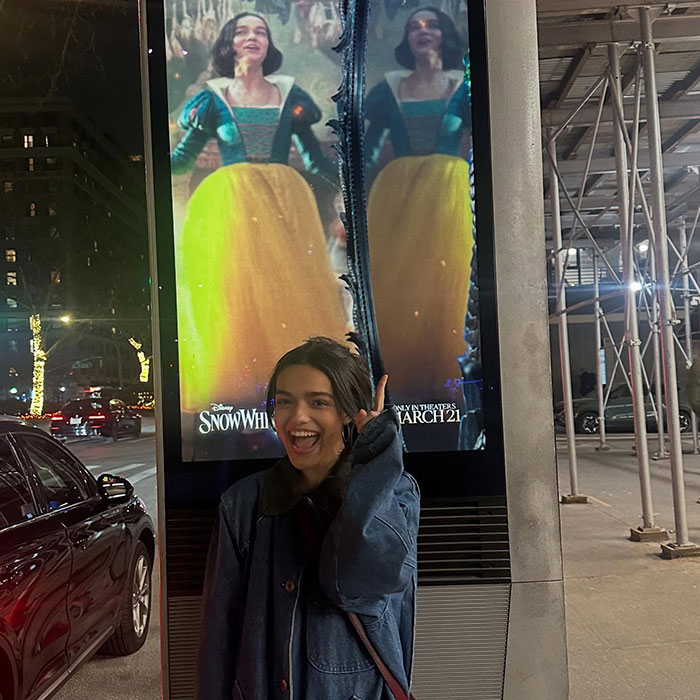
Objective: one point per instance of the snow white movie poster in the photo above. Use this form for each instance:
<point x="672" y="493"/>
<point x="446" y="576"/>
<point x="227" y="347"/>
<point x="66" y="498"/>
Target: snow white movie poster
<point x="259" y="243"/>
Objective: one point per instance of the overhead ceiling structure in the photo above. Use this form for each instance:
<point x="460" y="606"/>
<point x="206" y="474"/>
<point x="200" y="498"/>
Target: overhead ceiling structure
<point x="573" y="47"/>
<point x="617" y="173"/>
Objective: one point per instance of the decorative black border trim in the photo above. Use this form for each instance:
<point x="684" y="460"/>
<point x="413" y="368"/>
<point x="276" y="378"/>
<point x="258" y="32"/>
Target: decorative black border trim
<point x="349" y="128"/>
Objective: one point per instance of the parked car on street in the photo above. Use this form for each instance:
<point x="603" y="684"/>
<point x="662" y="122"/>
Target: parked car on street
<point x="91" y="417"/>
<point x="619" y="415"/>
<point x="76" y="555"/>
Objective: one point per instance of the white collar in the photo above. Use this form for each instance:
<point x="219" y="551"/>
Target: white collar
<point x="394" y="78"/>
<point x="284" y="84"/>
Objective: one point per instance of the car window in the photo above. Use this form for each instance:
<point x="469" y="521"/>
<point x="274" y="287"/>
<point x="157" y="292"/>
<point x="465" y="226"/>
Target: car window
<point x="82" y="405"/>
<point x="16" y="502"/>
<point x="64" y="484"/>
<point x="620" y="392"/>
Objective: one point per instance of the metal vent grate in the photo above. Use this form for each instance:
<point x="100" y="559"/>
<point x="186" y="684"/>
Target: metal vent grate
<point x="461" y="634"/>
<point x="463" y="542"/>
<point x="184" y="617"/>
<point x="187" y="542"/>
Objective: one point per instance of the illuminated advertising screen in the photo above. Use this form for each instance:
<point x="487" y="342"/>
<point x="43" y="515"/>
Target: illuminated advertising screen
<point x="260" y="246"/>
<point x="421" y="222"/>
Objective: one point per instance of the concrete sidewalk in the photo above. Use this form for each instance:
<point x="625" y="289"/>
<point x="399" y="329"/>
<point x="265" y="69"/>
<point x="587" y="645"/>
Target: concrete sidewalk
<point x="633" y="619"/>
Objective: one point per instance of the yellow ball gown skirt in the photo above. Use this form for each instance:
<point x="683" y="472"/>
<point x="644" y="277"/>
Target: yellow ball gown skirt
<point x="253" y="281"/>
<point x="421" y="240"/>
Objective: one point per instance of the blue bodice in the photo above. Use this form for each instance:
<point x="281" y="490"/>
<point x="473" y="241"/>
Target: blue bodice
<point x="416" y="127"/>
<point x="251" y="134"/>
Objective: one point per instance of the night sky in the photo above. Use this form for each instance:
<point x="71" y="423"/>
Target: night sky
<point x="86" y="50"/>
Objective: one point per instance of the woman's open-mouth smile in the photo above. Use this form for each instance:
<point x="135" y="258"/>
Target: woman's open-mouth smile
<point x="303" y="441"/>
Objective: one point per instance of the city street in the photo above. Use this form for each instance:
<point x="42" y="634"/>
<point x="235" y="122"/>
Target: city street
<point x="135" y="677"/>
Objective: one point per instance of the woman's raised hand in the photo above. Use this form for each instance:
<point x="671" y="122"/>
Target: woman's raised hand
<point x="362" y="418"/>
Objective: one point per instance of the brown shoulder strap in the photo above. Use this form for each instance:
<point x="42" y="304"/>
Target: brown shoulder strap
<point x="396" y="690"/>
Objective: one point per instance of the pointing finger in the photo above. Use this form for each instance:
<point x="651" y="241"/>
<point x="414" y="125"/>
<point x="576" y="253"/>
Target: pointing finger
<point x="379" y="395"/>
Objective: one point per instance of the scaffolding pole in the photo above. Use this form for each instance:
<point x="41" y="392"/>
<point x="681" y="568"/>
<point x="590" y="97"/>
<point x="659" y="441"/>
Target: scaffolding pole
<point x="600" y="356"/>
<point x="658" y="397"/>
<point x="682" y="546"/>
<point x="559" y="267"/>
<point x="648" y="530"/>
<point x="688" y="325"/>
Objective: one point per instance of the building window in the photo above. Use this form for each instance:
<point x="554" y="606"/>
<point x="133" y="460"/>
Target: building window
<point x="7" y="186"/>
<point x="54" y="186"/>
<point x="30" y="165"/>
<point x="47" y="141"/>
<point x="13" y="346"/>
<point x="12" y="278"/>
<point x="94" y="243"/>
<point x="11" y="303"/>
<point x="88" y="261"/>
<point x="6" y="139"/>
<point x="17" y="324"/>
<point x="54" y="163"/>
<point x="53" y="232"/>
<point x="28" y="141"/>
<point x="55" y="277"/>
<point x="32" y="208"/>
<point x="10" y="255"/>
<point x="87" y="218"/>
<point x="53" y="209"/>
<point x="9" y="233"/>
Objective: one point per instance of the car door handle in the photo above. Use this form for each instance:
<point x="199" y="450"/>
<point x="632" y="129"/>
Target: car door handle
<point x="81" y="542"/>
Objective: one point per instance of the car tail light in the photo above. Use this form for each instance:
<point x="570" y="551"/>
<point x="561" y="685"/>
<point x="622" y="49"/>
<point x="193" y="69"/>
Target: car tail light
<point x="97" y="416"/>
<point x="57" y="418"/>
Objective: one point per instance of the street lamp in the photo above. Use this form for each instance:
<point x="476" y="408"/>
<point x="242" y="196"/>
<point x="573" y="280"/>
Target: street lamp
<point x="65" y="319"/>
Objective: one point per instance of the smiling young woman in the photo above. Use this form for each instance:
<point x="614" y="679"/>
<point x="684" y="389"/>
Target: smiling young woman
<point x="327" y="534"/>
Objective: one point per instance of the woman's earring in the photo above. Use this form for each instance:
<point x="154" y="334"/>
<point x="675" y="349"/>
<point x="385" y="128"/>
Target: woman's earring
<point x="348" y="433"/>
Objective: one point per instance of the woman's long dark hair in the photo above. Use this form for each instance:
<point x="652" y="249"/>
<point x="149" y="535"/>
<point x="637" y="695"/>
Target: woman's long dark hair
<point x="347" y="373"/>
<point x="452" y="48"/>
<point x="224" y="57"/>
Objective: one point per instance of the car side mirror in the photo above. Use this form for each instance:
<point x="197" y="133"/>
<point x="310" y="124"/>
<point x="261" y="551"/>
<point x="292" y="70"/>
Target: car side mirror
<point x="114" y="489"/>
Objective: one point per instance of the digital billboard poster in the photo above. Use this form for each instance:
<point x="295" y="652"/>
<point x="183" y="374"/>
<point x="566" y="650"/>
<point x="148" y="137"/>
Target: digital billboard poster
<point x="259" y="244"/>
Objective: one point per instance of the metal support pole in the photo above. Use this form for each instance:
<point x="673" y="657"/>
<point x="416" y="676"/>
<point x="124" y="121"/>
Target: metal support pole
<point x="688" y="325"/>
<point x="648" y="531"/>
<point x="658" y="398"/>
<point x="600" y="357"/>
<point x="682" y="546"/>
<point x="559" y="267"/>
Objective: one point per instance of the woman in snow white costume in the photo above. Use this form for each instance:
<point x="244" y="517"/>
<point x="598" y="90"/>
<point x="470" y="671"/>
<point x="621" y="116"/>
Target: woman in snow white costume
<point x="253" y="273"/>
<point x="419" y="211"/>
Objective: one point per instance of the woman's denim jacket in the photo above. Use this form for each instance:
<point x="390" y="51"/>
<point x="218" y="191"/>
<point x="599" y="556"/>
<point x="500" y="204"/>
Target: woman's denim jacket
<point x="274" y="624"/>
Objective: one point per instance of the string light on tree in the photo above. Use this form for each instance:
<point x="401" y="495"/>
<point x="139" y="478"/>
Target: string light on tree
<point x="39" y="354"/>
<point x="144" y="361"/>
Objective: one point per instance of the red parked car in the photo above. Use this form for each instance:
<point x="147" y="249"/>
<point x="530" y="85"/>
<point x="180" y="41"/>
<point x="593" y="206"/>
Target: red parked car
<point x="91" y="417"/>
<point x="76" y="555"/>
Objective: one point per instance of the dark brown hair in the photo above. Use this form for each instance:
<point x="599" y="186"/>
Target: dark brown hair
<point x="346" y="371"/>
<point x="452" y="48"/>
<point x="224" y="57"/>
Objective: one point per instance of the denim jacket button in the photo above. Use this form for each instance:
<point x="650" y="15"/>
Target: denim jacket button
<point x="290" y="586"/>
<point x="284" y="685"/>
